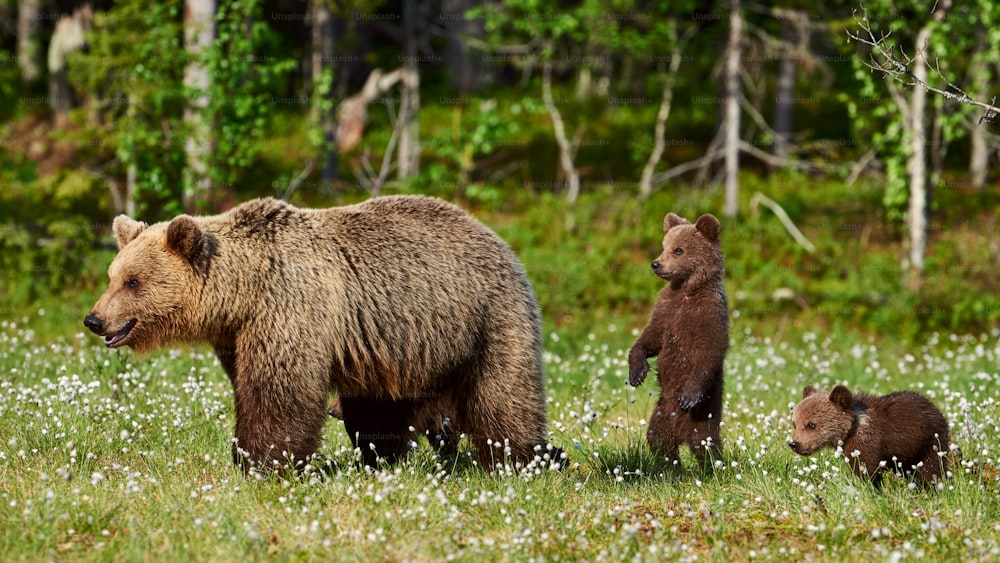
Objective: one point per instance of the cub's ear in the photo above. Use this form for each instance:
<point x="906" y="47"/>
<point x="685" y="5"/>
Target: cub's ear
<point x="841" y="396"/>
<point x="126" y="229"/>
<point x="809" y="390"/>
<point x="709" y="227"/>
<point x="671" y="221"/>
<point x="186" y="239"/>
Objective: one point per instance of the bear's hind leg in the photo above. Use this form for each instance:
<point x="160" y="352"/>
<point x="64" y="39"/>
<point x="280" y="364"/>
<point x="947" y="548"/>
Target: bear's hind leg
<point x="505" y="414"/>
<point x="379" y="427"/>
<point x="705" y="420"/>
<point x="934" y="468"/>
<point x="663" y="434"/>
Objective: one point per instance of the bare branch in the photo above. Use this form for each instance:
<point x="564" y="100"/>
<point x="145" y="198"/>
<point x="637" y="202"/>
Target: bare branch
<point x="299" y="178"/>
<point x="898" y="67"/>
<point x="565" y="147"/>
<point x="761" y="199"/>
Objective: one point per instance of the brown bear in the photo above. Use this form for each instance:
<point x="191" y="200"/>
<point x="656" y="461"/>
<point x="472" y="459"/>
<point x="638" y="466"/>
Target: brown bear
<point x="395" y="302"/>
<point x="688" y="332"/>
<point x="901" y="432"/>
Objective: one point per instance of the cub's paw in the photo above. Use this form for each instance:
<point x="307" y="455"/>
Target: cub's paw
<point x="688" y="401"/>
<point x="637" y="373"/>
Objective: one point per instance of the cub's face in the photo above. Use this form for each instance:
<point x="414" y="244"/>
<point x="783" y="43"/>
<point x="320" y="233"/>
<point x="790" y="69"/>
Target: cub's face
<point x="150" y="287"/>
<point x="689" y="251"/>
<point x="821" y="420"/>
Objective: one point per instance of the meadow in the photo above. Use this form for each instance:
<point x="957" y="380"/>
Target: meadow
<point x="106" y="455"/>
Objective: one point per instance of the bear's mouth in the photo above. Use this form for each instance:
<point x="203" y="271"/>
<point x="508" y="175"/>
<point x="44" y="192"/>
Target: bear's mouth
<point x="112" y="341"/>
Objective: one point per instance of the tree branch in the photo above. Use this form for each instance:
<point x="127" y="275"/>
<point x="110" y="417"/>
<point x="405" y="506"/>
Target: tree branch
<point x="898" y="67"/>
<point x="759" y="198"/>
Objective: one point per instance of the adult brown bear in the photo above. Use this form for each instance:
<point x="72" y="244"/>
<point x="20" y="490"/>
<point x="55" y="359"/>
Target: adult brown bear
<point x="396" y="303"/>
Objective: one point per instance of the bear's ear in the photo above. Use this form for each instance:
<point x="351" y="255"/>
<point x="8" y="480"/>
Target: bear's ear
<point x="126" y="229"/>
<point x="671" y="221"/>
<point x="184" y="238"/>
<point x="841" y="396"/>
<point x="709" y="227"/>
<point x="809" y="390"/>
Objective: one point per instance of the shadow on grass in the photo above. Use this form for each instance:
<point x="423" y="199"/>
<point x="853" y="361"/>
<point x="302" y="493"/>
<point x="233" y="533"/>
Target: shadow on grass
<point x="637" y="463"/>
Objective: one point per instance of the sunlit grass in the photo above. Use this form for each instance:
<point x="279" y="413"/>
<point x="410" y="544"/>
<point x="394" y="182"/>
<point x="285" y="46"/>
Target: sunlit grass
<point x="107" y="455"/>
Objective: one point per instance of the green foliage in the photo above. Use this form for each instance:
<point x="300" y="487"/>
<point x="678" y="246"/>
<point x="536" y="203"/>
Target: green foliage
<point x="133" y="68"/>
<point x="476" y="132"/>
<point x="244" y="73"/>
<point x="9" y="79"/>
<point x="876" y="112"/>
<point x="47" y="230"/>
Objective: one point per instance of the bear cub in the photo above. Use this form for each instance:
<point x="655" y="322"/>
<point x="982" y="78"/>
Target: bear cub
<point x="901" y="431"/>
<point x="688" y="333"/>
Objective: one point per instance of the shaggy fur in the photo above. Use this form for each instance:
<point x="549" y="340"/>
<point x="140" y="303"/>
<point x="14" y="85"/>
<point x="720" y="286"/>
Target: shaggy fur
<point x="688" y="333"/>
<point x="901" y="432"/>
<point x="397" y="303"/>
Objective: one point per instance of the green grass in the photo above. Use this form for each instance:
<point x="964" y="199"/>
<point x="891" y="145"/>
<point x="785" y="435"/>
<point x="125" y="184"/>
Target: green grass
<point x="105" y="455"/>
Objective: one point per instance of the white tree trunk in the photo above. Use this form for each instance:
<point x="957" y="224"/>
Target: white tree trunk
<point x="565" y="147"/>
<point x="129" y="195"/>
<point x="785" y="91"/>
<point x="322" y="58"/>
<point x="199" y="32"/>
<point x="980" y="153"/>
<point x="732" y="123"/>
<point x="29" y="40"/>
<point x="659" y="142"/>
<point x="916" y="166"/>
<point x="979" y="159"/>
<point x="409" y="142"/>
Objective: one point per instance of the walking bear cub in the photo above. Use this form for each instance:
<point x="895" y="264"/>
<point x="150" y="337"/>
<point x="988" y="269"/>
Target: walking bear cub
<point x="900" y="432"/>
<point x="688" y="332"/>
<point x="406" y="305"/>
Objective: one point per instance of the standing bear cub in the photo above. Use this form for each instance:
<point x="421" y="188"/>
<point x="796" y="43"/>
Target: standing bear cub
<point x="405" y="305"/>
<point x="688" y="333"/>
<point x="901" y="431"/>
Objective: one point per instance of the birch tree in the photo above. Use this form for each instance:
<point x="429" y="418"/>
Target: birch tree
<point x="731" y="147"/>
<point x="29" y="39"/>
<point x="409" y="141"/>
<point x="199" y="31"/>
<point x="912" y="71"/>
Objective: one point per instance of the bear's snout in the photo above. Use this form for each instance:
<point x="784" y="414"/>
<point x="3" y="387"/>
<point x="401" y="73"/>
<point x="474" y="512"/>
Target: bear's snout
<point x="794" y="445"/>
<point x="94" y="323"/>
<point x="656" y="265"/>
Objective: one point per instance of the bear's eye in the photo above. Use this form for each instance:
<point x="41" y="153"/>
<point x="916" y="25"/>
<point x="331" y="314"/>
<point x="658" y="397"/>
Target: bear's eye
<point x="811" y="426"/>
<point x="678" y="251"/>
<point x="132" y="283"/>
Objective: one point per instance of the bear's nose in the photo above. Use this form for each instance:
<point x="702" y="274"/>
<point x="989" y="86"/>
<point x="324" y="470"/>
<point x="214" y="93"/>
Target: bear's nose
<point x="656" y="265"/>
<point x="95" y="324"/>
<point x="794" y="445"/>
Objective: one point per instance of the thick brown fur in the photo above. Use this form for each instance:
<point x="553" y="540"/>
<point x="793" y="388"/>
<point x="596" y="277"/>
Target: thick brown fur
<point x="397" y="303"/>
<point x="899" y="432"/>
<point x="688" y="333"/>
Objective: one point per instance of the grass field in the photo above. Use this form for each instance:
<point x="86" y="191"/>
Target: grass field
<point x="105" y="455"/>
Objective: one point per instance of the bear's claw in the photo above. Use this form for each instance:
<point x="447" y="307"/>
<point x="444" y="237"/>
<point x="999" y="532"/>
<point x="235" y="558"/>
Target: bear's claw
<point x="638" y="374"/>
<point x="688" y="401"/>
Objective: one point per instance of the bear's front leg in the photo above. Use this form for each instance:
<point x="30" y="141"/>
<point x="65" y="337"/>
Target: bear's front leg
<point x="638" y="367"/>
<point x="279" y="412"/>
<point x="647" y="346"/>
